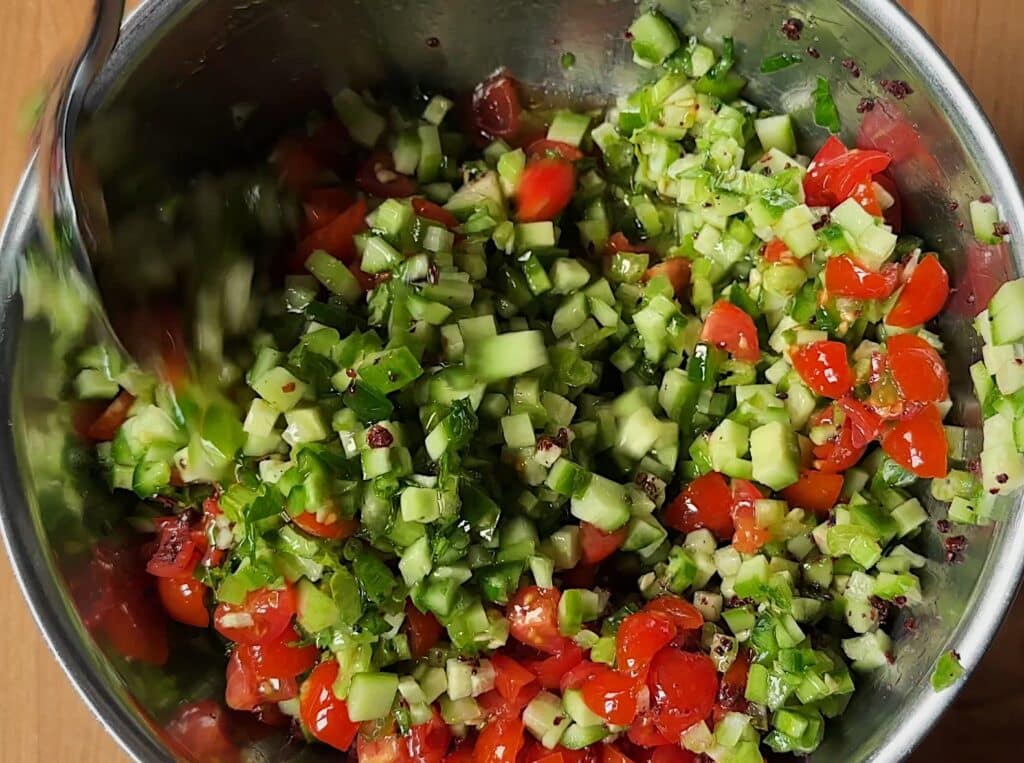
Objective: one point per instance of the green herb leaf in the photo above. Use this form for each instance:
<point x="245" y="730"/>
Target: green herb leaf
<point x="947" y="671"/>
<point x="780" y="61"/>
<point x="825" y="112"/>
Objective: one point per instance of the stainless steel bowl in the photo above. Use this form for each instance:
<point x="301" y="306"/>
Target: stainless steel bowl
<point x="163" y="107"/>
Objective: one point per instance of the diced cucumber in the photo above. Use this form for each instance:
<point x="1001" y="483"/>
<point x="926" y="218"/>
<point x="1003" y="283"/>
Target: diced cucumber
<point x="363" y="123"/>
<point x="1006" y="314"/>
<point x="280" y="388"/>
<point x="578" y="737"/>
<point x="602" y="503"/>
<point x="568" y="127"/>
<point x="507" y="355"/>
<point x="545" y="719"/>
<point x="776" y="132"/>
<point x="577" y="710"/>
<point x="370" y="696"/>
<point x="775" y="455"/>
<point x="653" y="39"/>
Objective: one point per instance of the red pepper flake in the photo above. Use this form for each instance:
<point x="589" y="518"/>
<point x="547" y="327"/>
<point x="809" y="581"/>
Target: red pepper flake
<point x="942" y="526"/>
<point x="562" y="438"/>
<point x="881" y="607"/>
<point x="628" y="35"/>
<point x="897" y="88"/>
<point x="1001" y="229"/>
<point x="646" y="482"/>
<point x="350" y="373"/>
<point x="792" y="28"/>
<point x="433" y="42"/>
<point x="813" y="52"/>
<point x="289" y="387"/>
<point x="900" y="601"/>
<point x="953" y="206"/>
<point x="910" y="625"/>
<point x="955" y="548"/>
<point x="379" y="437"/>
<point x="851" y="66"/>
<point x="865" y="105"/>
<point x="985" y="199"/>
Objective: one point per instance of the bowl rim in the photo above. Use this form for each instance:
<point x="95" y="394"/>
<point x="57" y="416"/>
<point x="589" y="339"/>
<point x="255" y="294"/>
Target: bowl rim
<point x="993" y="592"/>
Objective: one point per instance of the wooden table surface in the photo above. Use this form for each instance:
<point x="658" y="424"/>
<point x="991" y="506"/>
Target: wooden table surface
<point x="41" y="716"/>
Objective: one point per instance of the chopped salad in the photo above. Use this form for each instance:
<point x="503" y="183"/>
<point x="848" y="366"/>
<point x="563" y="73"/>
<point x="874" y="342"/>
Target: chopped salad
<point x="567" y="436"/>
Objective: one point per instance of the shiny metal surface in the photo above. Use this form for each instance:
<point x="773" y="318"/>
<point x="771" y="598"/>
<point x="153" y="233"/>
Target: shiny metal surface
<point x="164" y="103"/>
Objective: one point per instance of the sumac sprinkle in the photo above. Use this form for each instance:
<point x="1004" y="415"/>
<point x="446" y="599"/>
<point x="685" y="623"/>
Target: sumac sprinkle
<point x="897" y="88"/>
<point x="900" y="601"/>
<point x="350" y="373"/>
<point x="985" y="199"/>
<point x="955" y="548"/>
<point x="792" y="28"/>
<point x="942" y="526"/>
<point x="628" y="35"/>
<point x="851" y="66"/>
<point x="1001" y="229"/>
<point x="910" y="625"/>
<point x="379" y="437"/>
<point x="1002" y="478"/>
<point x="545" y="443"/>
<point x="289" y="387"/>
<point x="813" y="52"/>
<point x="881" y="607"/>
<point x="562" y="437"/>
<point x="865" y="105"/>
<point x="433" y="42"/>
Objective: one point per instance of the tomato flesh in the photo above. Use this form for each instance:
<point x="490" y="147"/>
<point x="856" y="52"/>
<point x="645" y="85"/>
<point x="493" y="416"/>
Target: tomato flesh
<point x="422" y="629"/>
<point x="543" y="147"/>
<point x="685" y="616"/>
<point x="749" y="537"/>
<point x="815" y="490"/>
<point x="705" y="503"/>
<point x="917" y="369"/>
<point x="499" y="742"/>
<point x="336" y="237"/>
<point x="533" y="619"/>
<point x="729" y="328"/>
<point x="845" y="277"/>
<point x="545" y="189"/>
<point x="202" y="730"/>
<point x="597" y="544"/>
<point x="683" y="687"/>
<point x="184" y="599"/>
<point x="641" y="636"/>
<point x="377" y="177"/>
<point x="322" y="713"/>
<point x="835" y="173"/>
<point x="263" y="616"/>
<point x="824" y="368"/>
<point x="332" y="527"/>
<point x="551" y="670"/>
<point x="509" y="676"/>
<point x="431" y="211"/>
<point x="918" y="443"/>
<point x="923" y="295"/>
<point x="612" y="695"/>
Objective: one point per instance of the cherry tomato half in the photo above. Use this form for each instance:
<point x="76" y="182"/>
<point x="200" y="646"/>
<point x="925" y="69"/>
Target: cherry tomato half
<point x="542" y="147"/>
<point x="642" y="635"/>
<point x="917" y="369"/>
<point x="497" y="108"/>
<point x="705" y="503"/>
<point x="599" y="545"/>
<point x="322" y="713"/>
<point x="729" y="328"/>
<point x="685" y="616"/>
<point x="923" y="296"/>
<point x="612" y="695"/>
<point x="816" y="491"/>
<point x="509" y="676"/>
<point x="263" y="616"/>
<point x="683" y="687"/>
<point x="184" y="599"/>
<point x="824" y="368"/>
<point x="545" y="189"/>
<point x="835" y="173"/>
<point x="500" y="741"/>
<point x="533" y="619"/>
<point x="845" y="277"/>
<point x="918" y="443"/>
<point x="675" y="269"/>
<point x="377" y="177"/>
<point x="332" y="528"/>
<point x="202" y="729"/>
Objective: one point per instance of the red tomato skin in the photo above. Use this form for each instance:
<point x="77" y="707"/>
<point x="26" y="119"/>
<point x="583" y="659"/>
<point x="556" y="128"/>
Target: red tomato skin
<point x="281" y="658"/>
<point x="917" y="369"/>
<point x="864" y="194"/>
<point x="550" y="671"/>
<point x="177" y="553"/>
<point x="184" y="599"/>
<point x="683" y="687"/>
<point x="579" y="675"/>
<point x="510" y="676"/>
<point x="815" y="490"/>
<point x="641" y="636"/>
<point x="105" y="427"/>
<point x="644" y="733"/>
<point x="423" y="630"/>
<point x="610" y="755"/>
<point x="242" y="691"/>
<point x="824" y="368"/>
<point x="542" y="147"/>
<point x="296" y="165"/>
<point x="533" y="619"/>
<point x="676" y="270"/>
<point x="685" y="616"/>
<point x="322" y="713"/>
<point x="734" y="684"/>
<point x="833" y="177"/>
<point x="599" y="545"/>
<point x="271" y="610"/>
<point x="918" y="443"/>
<point x="612" y="695"/>
<point x="863" y="423"/>
<point x="545" y="189"/>
<point x="705" y="503"/>
<point x="202" y="730"/>
<point x="499" y="742"/>
<point x="923" y="295"/>
<point x="431" y="211"/>
<point x="377" y="177"/>
<point x="729" y="328"/>
<point x="673" y="754"/>
<point x="497" y="108"/>
<point x="428" y="742"/>
<point x="618" y="242"/>
<point x="321" y="205"/>
<point x="845" y="277"/>
<point x="335" y="238"/>
<point x="337" y="529"/>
